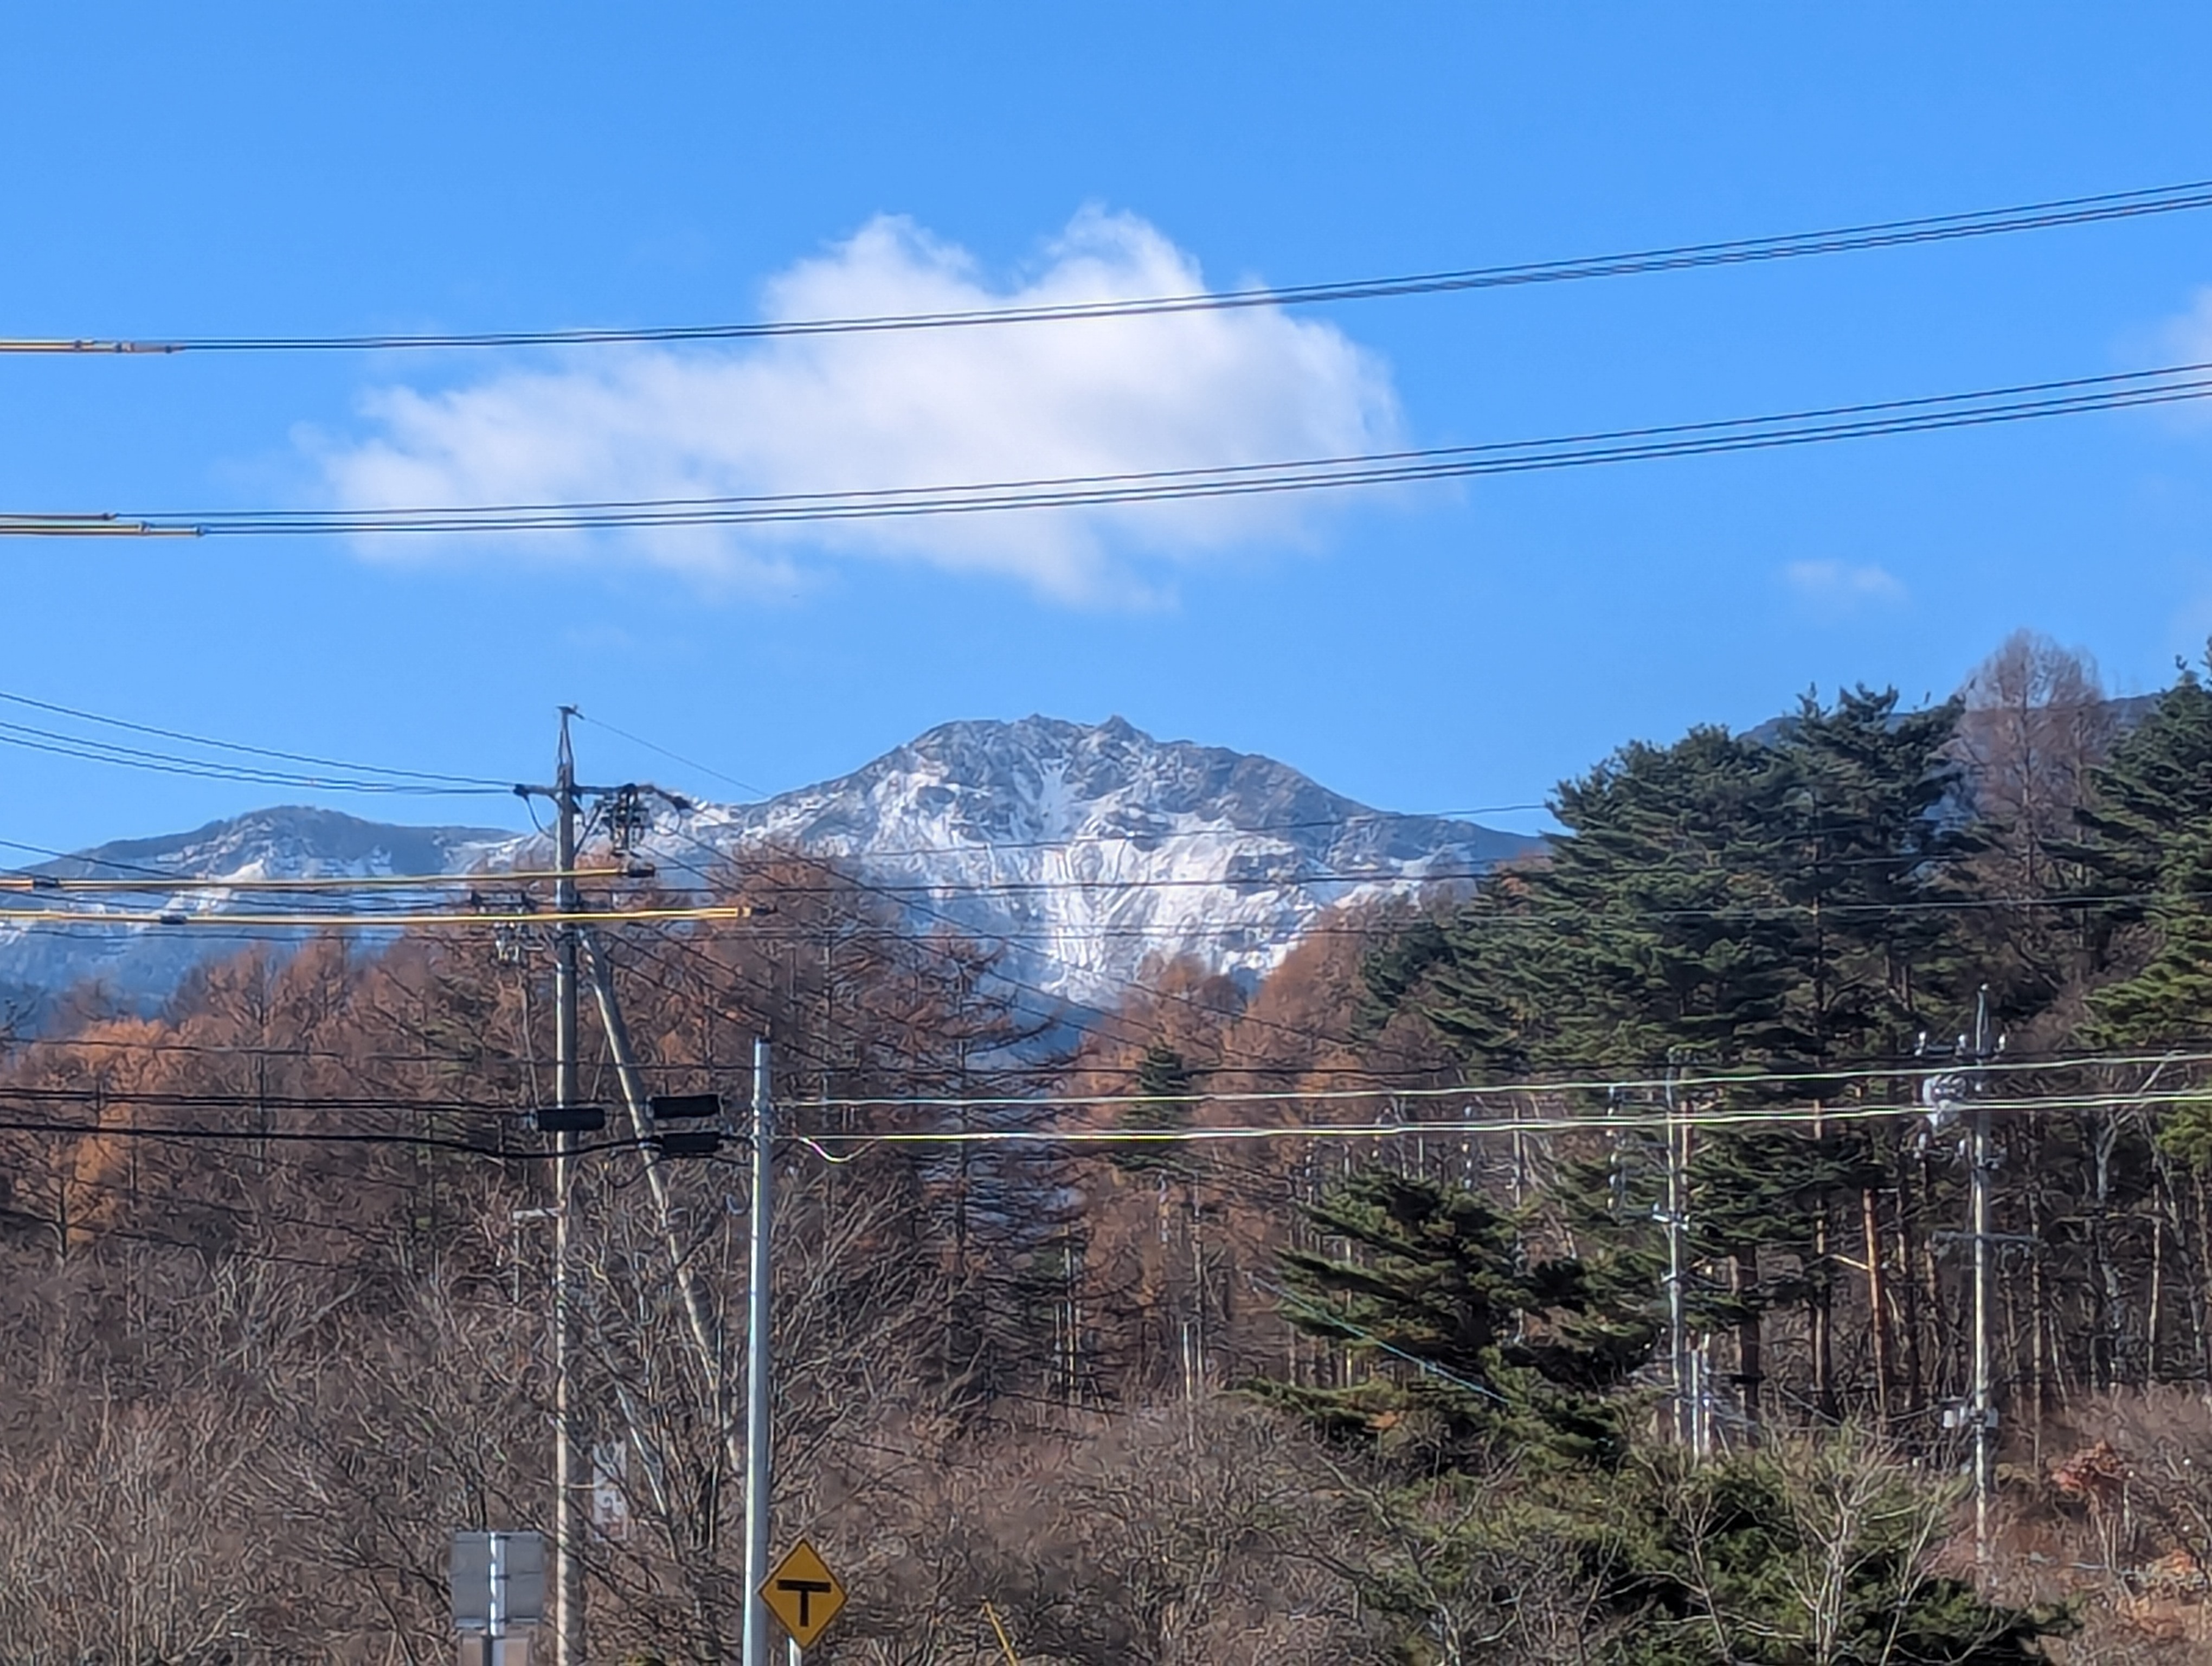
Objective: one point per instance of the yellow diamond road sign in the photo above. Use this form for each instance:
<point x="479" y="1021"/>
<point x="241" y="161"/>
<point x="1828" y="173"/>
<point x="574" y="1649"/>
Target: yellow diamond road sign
<point x="803" y="1594"/>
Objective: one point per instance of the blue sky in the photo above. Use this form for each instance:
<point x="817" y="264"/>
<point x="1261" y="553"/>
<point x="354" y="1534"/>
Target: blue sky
<point x="266" y="168"/>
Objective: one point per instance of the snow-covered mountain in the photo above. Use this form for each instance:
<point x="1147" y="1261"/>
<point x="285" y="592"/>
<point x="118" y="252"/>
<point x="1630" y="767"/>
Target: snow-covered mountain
<point x="1084" y="849"/>
<point x="141" y="964"/>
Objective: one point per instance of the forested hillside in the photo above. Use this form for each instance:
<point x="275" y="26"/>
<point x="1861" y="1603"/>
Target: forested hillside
<point x="1575" y="1269"/>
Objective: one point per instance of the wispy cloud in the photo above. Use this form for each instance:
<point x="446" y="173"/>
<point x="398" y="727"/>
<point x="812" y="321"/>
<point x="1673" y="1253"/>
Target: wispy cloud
<point x="830" y="413"/>
<point x="2186" y="338"/>
<point x="2189" y="335"/>
<point x="1841" y="584"/>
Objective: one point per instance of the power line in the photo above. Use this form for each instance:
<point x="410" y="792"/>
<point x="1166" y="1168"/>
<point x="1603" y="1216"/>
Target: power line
<point x="286" y="1136"/>
<point x="31" y="739"/>
<point x="1880" y="234"/>
<point x="310" y="882"/>
<point x="237" y="746"/>
<point x="497" y="879"/>
<point x="89" y="859"/>
<point x="112" y="1094"/>
<point x="674" y="758"/>
<point x="113" y="1097"/>
<point x="402" y="917"/>
<point x="1234" y="1134"/>
<point x="1591" y="1081"/>
<point x="318" y="1137"/>
<point x="1930" y="413"/>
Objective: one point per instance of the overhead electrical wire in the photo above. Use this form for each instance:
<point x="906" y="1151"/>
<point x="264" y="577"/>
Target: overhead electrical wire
<point x="87" y="858"/>
<point x="482" y="917"/>
<point x="1810" y="1076"/>
<point x="2021" y="401"/>
<point x="1241" y="1134"/>
<point x="336" y="920"/>
<point x="107" y="1094"/>
<point x="1148" y="836"/>
<point x="255" y="752"/>
<point x="32" y="738"/>
<point x="303" y="1053"/>
<point x="498" y="881"/>
<point x="673" y="758"/>
<point x="1880" y="234"/>
<point x="1642" y="1119"/>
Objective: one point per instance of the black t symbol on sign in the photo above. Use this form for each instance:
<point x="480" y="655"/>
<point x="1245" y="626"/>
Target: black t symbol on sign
<point x="808" y="1589"/>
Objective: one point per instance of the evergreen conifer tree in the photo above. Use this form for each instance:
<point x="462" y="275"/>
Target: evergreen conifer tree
<point x="1465" y="1343"/>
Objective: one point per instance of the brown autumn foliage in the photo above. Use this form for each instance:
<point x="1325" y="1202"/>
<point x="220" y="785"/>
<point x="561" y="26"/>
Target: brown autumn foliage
<point x="275" y="1324"/>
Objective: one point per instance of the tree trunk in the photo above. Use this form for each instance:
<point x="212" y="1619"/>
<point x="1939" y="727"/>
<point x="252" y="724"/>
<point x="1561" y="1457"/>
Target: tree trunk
<point x="1916" y="1384"/>
<point x="1877" y="1304"/>
<point x="1750" y="1370"/>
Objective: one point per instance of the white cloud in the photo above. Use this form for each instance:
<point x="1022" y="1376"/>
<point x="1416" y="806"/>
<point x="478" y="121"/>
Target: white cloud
<point x="1841" y="584"/>
<point x="907" y="409"/>
<point x="2190" y="336"/>
<point x="2187" y="339"/>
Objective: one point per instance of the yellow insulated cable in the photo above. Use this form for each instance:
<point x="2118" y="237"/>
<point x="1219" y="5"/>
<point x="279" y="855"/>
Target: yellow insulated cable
<point x="991" y="1613"/>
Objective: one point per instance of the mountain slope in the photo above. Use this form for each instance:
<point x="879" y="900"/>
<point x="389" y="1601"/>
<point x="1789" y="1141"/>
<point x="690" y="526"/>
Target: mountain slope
<point x="1085" y="849"/>
<point x="140" y="965"/>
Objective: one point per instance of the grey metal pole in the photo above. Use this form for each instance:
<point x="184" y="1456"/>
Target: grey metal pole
<point x="758" y="1458"/>
<point x="567" y="1500"/>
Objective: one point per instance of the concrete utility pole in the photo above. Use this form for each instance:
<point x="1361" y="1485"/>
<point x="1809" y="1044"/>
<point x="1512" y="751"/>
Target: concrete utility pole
<point x="1944" y="1092"/>
<point x="572" y="1481"/>
<point x="759" y="1465"/>
<point x="1980" y="1408"/>
<point x="1678" y="1338"/>
<point x="568" y="1484"/>
<point x="1685" y="1377"/>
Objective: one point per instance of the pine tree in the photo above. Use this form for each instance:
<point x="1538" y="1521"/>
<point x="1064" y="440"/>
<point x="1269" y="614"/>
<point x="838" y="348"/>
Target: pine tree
<point x="1165" y="1084"/>
<point x="2148" y="843"/>
<point x="1750" y="908"/>
<point x="1465" y="1343"/>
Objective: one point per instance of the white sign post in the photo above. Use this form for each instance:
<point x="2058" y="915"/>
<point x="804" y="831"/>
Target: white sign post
<point x="499" y="1595"/>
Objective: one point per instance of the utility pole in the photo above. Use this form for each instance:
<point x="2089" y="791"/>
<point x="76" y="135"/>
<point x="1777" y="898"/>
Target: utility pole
<point x="1672" y="1214"/>
<point x="1980" y="1408"/>
<point x="1944" y="1092"/>
<point x="565" y="1120"/>
<point x="568" y="1486"/>
<point x="759" y="1467"/>
<point x="1678" y="1338"/>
